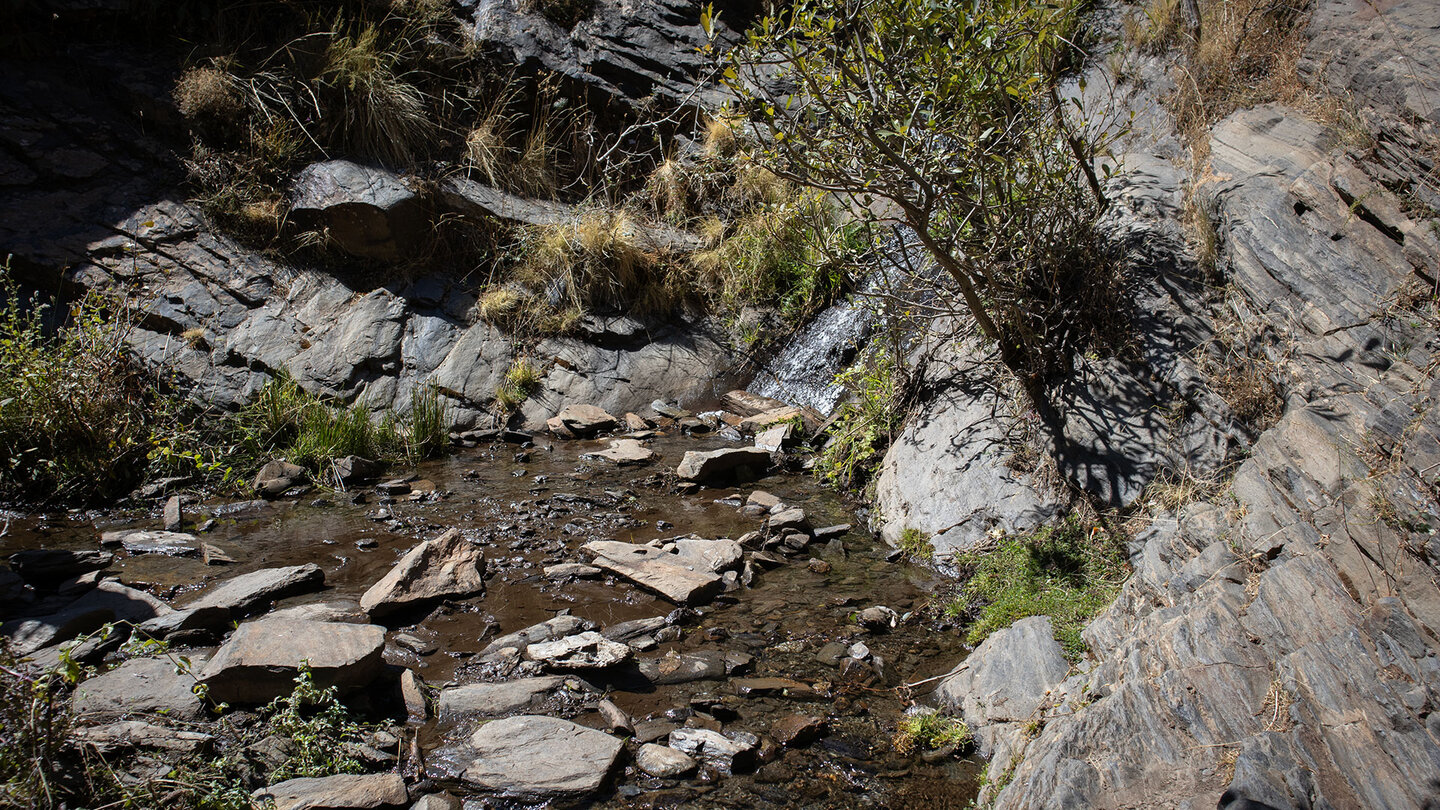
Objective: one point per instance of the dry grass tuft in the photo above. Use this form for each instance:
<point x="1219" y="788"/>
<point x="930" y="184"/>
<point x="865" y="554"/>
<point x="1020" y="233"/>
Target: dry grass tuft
<point x="209" y="93"/>
<point x="721" y="138"/>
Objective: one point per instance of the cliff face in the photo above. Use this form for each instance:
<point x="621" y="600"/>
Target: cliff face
<point x="1277" y="644"/>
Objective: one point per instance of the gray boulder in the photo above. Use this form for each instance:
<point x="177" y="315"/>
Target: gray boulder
<point x="141" y="686"/>
<point x="667" y="574"/>
<point x="369" y="212"/>
<point x="262" y="658"/>
<point x="705" y="465"/>
<point x="249" y="592"/>
<point x="728" y="752"/>
<point x="497" y="699"/>
<point x="1007" y="678"/>
<point x="664" y="762"/>
<point x="46" y="567"/>
<point x="342" y="792"/>
<point x="447" y="566"/>
<point x="533" y="758"/>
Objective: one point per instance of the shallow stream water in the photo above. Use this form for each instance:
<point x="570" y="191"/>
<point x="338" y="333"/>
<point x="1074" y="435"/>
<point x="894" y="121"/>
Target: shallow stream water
<point x="535" y="506"/>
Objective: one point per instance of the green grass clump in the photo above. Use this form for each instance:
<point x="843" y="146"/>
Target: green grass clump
<point x="1064" y="571"/>
<point x="866" y="424"/>
<point x="931" y="732"/>
<point x="916" y="543"/>
<point x="521" y="380"/>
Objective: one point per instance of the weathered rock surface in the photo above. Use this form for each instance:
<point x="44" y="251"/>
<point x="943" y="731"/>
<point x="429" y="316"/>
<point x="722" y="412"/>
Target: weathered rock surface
<point x="623" y="452"/>
<point x="369" y="212"/>
<point x="664" y="762"/>
<point x="728" y="752"/>
<point x="588" y="650"/>
<point x="1006" y="679"/>
<point x="558" y="627"/>
<point x="260" y="660"/>
<point x="141" y="686"/>
<point x="669" y="575"/>
<point x="698" y="465"/>
<point x="277" y="476"/>
<point x="447" y="566"/>
<point x="341" y="792"/>
<point x="535" y="758"/>
<point x="128" y="735"/>
<point x="106" y="602"/>
<point x="581" y="421"/>
<point x="175" y="544"/>
<point x="673" y="668"/>
<point x="713" y="556"/>
<point x="47" y="567"/>
<point x="249" y="592"/>
<point x="497" y="699"/>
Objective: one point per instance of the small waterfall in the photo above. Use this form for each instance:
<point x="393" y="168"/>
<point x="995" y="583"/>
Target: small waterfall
<point x="803" y="372"/>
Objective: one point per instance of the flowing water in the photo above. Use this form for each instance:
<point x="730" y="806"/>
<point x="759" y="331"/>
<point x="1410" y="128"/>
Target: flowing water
<point x="535" y="506"/>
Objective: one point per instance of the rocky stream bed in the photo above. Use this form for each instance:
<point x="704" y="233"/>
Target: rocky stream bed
<point x="771" y="673"/>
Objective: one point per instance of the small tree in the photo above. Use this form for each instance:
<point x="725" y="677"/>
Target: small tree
<point x="941" y="118"/>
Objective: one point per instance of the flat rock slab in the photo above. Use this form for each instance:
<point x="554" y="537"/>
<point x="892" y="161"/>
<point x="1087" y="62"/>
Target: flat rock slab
<point x="247" y="592"/>
<point x="558" y="627"/>
<point x="655" y="570"/>
<point x="262" y="658"/>
<point x="1008" y="676"/>
<point x="623" y="453"/>
<point x="684" y="667"/>
<point x="47" y="566"/>
<point x="773" y="687"/>
<point x="343" y="792"/>
<point x="571" y="570"/>
<point x="497" y="699"/>
<point x="798" y="730"/>
<point x="147" y="541"/>
<point x="588" y="650"/>
<point x="535" y="758"/>
<point x="140" y="686"/>
<point x="106" y="602"/>
<point x="128" y="735"/>
<point x="704" y="465"/>
<point x="447" y="566"/>
<point x="713" y="556"/>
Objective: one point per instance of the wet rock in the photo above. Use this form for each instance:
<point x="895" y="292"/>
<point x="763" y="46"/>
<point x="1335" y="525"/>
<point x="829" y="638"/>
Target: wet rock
<point x="49" y="566"/>
<point x="775" y="439"/>
<point x="533" y="758"/>
<point x="162" y="486"/>
<point x="655" y="570"/>
<point x="634" y="629"/>
<point x="831" y="653"/>
<point x="773" y="687"/>
<point x="277" y="476"/>
<point x="412" y="694"/>
<point x="798" y="730"/>
<point x="829" y="533"/>
<point x="447" y="566"/>
<point x="588" y="650"/>
<point x="674" y="667"/>
<point x="436" y="801"/>
<point x="261" y="658"/>
<point x="763" y="499"/>
<point x="393" y="488"/>
<point x="819" y="566"/>
<point x="352" y="470"/>
<point x="249" y="592"/>
<point x="497" y="699"/>
<point x="877" y="619"/>
<point x="581" y="421"/>
<point x="128" y="735"/>
<point x="714" y="556"/>
<point x="140" y="686"/>
<point x="558" y="627"/>
<point x="636" y="422"/>
<point x="212" y="554"/>
<point x="789" y="520"/>
<point x="343" y="792"/>
<point x="173" y="518"/>
<point x="186" y="624"/>
<point x="764" y="421"/>
<point x="174" y="544"/>
<point x="615" y="717"/>
<point x="368" y="211"/>
<point x="669" y="410"/>
<point x="729" y="751"/>
<point x="707" y="465"/>
<point x="347" y="611"/>
<point x="563" y="571"/>
<point x="623" y="453"/>
<point x="663" y="762"/>
<point x="748" y="404"/>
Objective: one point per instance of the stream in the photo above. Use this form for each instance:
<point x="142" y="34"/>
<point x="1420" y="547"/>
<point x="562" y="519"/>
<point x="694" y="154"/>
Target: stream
<point x="533" y="506"/>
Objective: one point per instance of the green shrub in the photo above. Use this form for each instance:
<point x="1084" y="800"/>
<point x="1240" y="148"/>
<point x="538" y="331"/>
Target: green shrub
<point x="865" y="425"/>
<point x="427" y="428"/>
<point x="1064" y="571"/>
<point x="319" y="727"/>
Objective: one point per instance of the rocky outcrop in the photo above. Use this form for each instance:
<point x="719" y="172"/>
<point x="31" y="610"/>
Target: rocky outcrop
<point x="369" y="212"/>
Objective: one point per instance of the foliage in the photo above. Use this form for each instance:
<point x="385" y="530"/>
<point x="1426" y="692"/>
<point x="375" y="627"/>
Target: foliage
<point x="1064" y="571"/>
<point x="931" y="731"/>
<point x="34" y="724"/>
<point x="942" y="118"/>
<point x="521" y="380"/>
<point x="866" y="424"/>
<point x="427" y="427"/>
<point x="916" y="544"/>
<point x="318" y="725"/>
<point x="373" y="107"/>
<point x="76" y="413"/>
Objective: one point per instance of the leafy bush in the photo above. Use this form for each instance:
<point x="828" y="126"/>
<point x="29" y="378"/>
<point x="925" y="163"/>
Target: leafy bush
<point x="319" y="727"/>
<point x="1064" y="571"/>
<point x="866" y="424"/>
<point x="76" y="413"/>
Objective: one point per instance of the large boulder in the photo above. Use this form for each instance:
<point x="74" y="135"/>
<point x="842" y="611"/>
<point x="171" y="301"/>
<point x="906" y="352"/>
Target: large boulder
<point x="341" y="792"/>
<point x="369" y="212"/>
<point x="670" y="575"/>
<point x="700" y="465"/>
<point x="447" y="566"/>
<point x="263" y="657"/>
<point x="140" y="686"/>
<point x="249" y="592"/>
<point x="532" y="758"/>
<point x="1007" y="678"/>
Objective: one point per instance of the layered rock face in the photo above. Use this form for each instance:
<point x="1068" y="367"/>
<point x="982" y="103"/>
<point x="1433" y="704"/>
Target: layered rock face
<point x="1277" y="647"/>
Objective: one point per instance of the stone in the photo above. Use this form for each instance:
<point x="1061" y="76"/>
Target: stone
<point x="412" y="694"/>
<point x="393" y="488"/>
<point x="664" y="762"/>
<point x="1008" y="677"/>
<point x="173" y="623"/>
<point x="877" y="619"/>
<point x="368" y="211"/>
<point x="447" y="566"/>
<point x="714" y="556"/>
<point x="773" y="687"/>
<point x="582" y="421"/>
<point x="673" y="668"/>
<point x="655" y="570"/>
<point x="729" y="752"/>
<point x="212" y="554"/>
<point x="106" y="602"/>
<point x="128" y="735"/>
<point x="141" y="686"/>
<point x="14" y="593"/>
<point x="558" y="627"/>
<point x="342" y="792"/>
<point x="261" y="659"/>
<point x="636" y="422"/>
<point x="789" y="520"/>
<point x="249" y="592"/>
<point x="533" y="758"/>
<point x="618" y="721"/>
<point x="748" y="404"/>
<point x="47" y="567"/>
<point x="436" y="801"/>
<point x="563" y="571"/>
<point x="347" y="611"/>
<point x="763" y="499"/>
<point x="634" y="629"/>
<point x="797" y="731"/>
<point x="623" y="453"/>
<point x="775" y="439"/>
<point x="276" y="477"/>
<point x="171" y="543"/>
<point x="174" y="520"/>
<point x="708" y="465"/>
<point x="588" y="650"/>
<point x="352" y="470"/>
<point x="497" y="699"/>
